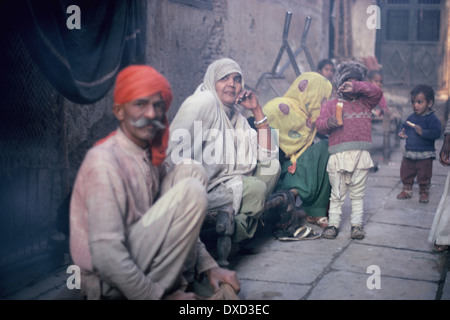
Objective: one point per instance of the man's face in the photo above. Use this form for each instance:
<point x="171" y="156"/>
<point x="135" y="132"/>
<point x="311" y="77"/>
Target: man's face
<point x="228" y="88"/>
<point x="142" y="118"/>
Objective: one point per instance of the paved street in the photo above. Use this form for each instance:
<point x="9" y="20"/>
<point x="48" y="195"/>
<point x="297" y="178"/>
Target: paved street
<point x="395" y="243"/>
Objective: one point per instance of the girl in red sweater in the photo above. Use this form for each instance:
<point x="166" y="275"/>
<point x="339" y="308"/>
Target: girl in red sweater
<point x="350" y="140"/>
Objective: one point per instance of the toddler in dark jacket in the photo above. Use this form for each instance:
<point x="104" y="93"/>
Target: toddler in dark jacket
<point x="421" y="129"/>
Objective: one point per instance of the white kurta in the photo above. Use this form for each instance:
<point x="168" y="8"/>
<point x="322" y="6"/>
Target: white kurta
<point x="440" y="230"/>
<point x="218" y="137"/>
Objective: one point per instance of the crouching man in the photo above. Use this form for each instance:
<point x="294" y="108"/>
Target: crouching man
<point x="134" y="228"/>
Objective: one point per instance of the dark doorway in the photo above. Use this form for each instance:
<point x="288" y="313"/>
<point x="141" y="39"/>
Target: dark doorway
<point x="408" y="43"/>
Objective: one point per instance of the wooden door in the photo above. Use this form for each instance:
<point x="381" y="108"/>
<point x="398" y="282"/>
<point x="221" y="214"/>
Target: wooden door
<point x="409" y="42"/>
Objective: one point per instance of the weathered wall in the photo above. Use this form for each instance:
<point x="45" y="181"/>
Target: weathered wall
<point x="363" y="38"/>
<point x="85" y="124"/>
<point x="254" y="31"/>
<point x="183" y="41"/>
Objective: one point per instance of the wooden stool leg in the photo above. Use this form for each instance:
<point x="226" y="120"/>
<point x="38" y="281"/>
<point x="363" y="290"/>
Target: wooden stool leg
<point x="223" y="250"/>
<point x="225" y="228"/>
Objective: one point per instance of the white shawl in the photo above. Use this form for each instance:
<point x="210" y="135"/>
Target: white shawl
<point x="218" y="137"/>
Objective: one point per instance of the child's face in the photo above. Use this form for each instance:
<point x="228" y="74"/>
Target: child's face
<point x="377" y="80"/>
<point x="420" y="104"/>
<point x="327" y="71"/>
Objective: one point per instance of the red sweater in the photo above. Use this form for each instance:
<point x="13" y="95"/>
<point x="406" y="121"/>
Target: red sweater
<point x="356" y="133"/>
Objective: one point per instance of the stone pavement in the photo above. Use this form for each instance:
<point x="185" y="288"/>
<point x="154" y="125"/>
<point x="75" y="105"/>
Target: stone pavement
<point x="395" y="245"/>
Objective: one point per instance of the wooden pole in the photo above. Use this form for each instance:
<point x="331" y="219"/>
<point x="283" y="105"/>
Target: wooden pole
<point x="386" y="137"/>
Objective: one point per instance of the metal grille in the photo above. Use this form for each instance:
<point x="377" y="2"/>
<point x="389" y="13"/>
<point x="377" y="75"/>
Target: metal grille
<point x="31" y="165"/>
<point x="398" y="25"/>
<point x="431" y="2"/>
<point x="400" y="2"/>
<point x="428" y="25"/>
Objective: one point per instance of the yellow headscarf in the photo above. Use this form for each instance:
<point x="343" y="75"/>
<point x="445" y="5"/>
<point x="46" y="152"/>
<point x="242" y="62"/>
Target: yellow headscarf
<point x="295" y="114"/>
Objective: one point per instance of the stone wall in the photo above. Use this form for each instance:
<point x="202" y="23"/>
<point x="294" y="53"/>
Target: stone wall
<point x="84" y="125"/>
<point x="183" y="40"/>
<point x="363" y="38"/>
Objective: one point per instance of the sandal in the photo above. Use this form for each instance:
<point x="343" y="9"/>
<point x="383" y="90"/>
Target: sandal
<point x="302" y="233"/>
<point x="320" y="221"/>
<point x="288" y="223"/>
<point x="440" y="247"/>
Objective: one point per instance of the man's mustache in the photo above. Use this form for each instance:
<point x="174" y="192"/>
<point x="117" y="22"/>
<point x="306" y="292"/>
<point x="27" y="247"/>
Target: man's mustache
<point x="143" y="122"/>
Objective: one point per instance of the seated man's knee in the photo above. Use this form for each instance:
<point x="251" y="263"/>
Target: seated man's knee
<point x="257" y="191"/>
<point x="194" y="170"/>
<point x="194" y="193"/>
<point x="188" y="170"/>
<point x="199" y="172"/>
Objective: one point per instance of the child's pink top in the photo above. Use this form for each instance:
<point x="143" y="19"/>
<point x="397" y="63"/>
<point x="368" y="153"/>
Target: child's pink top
<point x="356" y="133"/>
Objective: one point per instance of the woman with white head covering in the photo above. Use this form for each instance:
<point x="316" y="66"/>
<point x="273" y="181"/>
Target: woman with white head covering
<point x="241" y="162"/>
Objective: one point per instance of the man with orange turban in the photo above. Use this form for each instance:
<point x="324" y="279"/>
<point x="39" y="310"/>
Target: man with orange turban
<point x="134" y="229"/>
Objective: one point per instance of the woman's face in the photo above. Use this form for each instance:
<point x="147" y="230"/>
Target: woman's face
<point x="228" y="88"/>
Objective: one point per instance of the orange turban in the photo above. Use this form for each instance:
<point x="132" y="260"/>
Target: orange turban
<point x="138" y="81"/>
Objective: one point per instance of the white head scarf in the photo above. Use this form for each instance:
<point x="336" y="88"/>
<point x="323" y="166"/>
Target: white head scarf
<point x="219" y="69"/>
<point x="216" y="71"/>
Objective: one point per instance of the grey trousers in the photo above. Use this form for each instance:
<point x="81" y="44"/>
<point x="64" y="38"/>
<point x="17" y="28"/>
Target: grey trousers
<point x="256" y="190"/>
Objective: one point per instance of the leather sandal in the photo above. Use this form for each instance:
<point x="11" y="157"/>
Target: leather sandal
<point x="302" y="233"/>
<point x="320" y="221"/>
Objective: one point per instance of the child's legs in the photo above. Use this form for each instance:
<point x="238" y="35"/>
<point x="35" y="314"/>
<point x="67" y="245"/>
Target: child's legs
<point x="356" y="193"/>
<point x="424" y="173"/>
<point x="408" y="172"/>
<point x="338" y="194"/>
